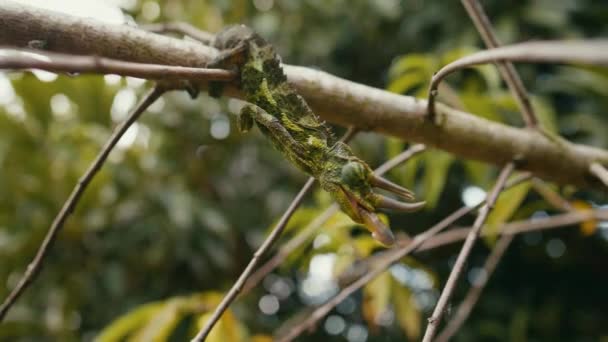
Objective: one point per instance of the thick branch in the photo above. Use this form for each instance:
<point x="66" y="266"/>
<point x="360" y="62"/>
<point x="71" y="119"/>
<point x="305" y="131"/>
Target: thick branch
<point x="337" y="100"/>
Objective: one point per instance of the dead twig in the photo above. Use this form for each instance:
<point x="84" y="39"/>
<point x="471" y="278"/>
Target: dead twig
<point x="506" y="69"/>
<point x="70" y="204"/>
<point x="599" y="171"/>
<point x="435" y="319"/>
<point x="237" y="287"/>
<point x="590" y="52"/>
<point x="308" y="232"/>
<point x="393" y="255"/>
<point x="11" y="58"/>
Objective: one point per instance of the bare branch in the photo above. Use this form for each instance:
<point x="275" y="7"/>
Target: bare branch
<point x="590" y="52"/>
<point x="70" y="204"/>
<point x="599" y="171"/>
<point x="506" y="69"/>
<point x="36" y="59"/>
<point x="181" y="28"/>
<point x="550" y="195"/>
<point x="465" y="308"/>
<point x="570" y="218"/>
<point x="308" y="232"/>
<point x="237" y="287"/>
<point x="335" y="99"/>
<point x="393" y="255"/>
<point x="450" y="285"/>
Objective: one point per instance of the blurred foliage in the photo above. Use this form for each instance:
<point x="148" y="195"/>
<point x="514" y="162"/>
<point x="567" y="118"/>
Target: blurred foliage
<point x="182" y="203"/>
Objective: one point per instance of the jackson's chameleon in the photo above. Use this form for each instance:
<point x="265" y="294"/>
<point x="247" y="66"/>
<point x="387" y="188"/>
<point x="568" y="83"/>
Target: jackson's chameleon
<point x="286" y="119"/>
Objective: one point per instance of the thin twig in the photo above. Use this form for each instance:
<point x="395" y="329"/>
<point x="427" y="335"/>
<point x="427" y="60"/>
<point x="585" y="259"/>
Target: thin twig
<point x="393" y="255"/>
<point x="506" y="69"/>
<point x="589" y="52"/>
<point x="181" y="28"/>
<point x="308" y="232"/>
<point x="238" y="286"/>
<point x="11" y="58"/>
<point x="551" y="196"/>
<point x="435" y="319"/>
<point x="469" y="301"/>
<point x="68" y="207"/>
<point x="599" y="171"/>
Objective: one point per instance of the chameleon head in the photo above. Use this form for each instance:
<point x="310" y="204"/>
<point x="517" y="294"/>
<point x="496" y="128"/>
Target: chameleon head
<point x="355" y="195"/>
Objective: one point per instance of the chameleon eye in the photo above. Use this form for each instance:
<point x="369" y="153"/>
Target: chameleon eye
<point x="353" y="173"/>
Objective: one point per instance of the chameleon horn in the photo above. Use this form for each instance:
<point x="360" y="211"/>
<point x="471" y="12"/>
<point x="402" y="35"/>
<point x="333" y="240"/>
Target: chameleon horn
<point x="389" y="203"/>
<point x="380" y="232"/>
<point x="385" y="184"/>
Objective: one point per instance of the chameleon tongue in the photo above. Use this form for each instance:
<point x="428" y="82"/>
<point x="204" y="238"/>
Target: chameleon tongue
<point x="379" y="230"/>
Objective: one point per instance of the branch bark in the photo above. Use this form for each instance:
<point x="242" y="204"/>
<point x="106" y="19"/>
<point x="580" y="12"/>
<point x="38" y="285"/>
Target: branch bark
<point x="335" y="99"/>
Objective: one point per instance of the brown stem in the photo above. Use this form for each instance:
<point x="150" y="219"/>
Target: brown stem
<point x="471" y="298"/>
<point x="70" y="204"/>
<point x="334" y="99"/>
<point x="238" y="286"/>
<point x="599" y="171"/>
<point x="56" y="62"/>
<point x="308" y="232"/>
<point x="506" y="69"/>
<point x="393" y="255"/>
<point x="589" y="52"/>
<point x="450" y="285"/>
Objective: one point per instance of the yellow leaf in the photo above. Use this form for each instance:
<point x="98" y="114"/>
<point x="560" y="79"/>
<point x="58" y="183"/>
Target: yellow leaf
<point x="406" y="311"/>
<point x="506" y="205"/>
<point x="376" y="298"/>
<point x="588" y="227"/>
<point x="162" y="324"/>
<point x="227" y="329"/>
<point x="437" y="165"/>
<point x="129" y="322"/>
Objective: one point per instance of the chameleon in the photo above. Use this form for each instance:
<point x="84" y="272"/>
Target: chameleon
<point x="284" y="117"/>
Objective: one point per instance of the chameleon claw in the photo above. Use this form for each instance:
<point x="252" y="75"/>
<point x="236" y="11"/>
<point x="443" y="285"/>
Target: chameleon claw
<point x="389" y="203"/>
<point x="380" y="232"/>
<point x="385" y="184"/>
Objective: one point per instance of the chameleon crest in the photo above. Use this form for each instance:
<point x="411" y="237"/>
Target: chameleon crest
<point x="285" y="118"/>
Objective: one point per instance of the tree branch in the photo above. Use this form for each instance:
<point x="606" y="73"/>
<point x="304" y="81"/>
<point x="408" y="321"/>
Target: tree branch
<point x="237" y="287"/>
<point x="599" y="171"/>
<point x="70" y="204"/>
<point x="308" y="232"/>
<point x="506" y="69"/>
<point x="450" y="284"/>
<point x="56" y="62"/>
<point x="335" y="99"/>
<point x="391" y="256"/>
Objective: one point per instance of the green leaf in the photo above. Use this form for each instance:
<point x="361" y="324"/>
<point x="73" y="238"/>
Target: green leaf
<point x="437" y="165"/>
<point x="162" y="323"/>
<point x="376" y="298"/>
<point x="507" y="204"/>
<point x="407" y="312"/>
<point x="424" y="63"/>
<point x="129" y="322"/>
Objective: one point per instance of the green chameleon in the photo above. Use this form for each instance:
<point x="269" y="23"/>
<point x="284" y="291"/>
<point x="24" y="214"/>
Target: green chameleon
<point x="286" y="119"/>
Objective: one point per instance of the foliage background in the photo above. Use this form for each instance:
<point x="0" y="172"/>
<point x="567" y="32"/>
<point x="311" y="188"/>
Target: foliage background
<point x="177" y="212"/>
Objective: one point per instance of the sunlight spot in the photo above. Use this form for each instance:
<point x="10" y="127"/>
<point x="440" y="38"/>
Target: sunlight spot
<point x="16" y="111"/>
<point x="7" y="93"/>
<point x="112" y="79"/>
<point x="356" y="333"/>
<point x="150" y="10"/>
<point x="123" y="101"/>
<point x="220" y="127"/>
<point x="555" y="248"/>
<point x="472" y="196"/>
<point x="129" y="137"/>
<point x="97" y="9"/>
<point x="134" y="82"/>
<point x="319" y="284"/>
<point x="61" y="106"/>
<point x="157" y="106"/>
<point x="269" y="304"/>
<point x="44" y="76"/>
<point x="263" y="5"/>
<point x="321" y="240"/>
<point x="334" y="325"/>
<point x="477" y="276"/>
